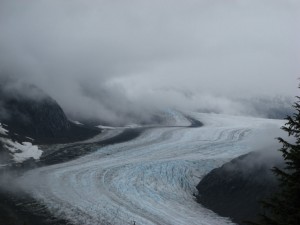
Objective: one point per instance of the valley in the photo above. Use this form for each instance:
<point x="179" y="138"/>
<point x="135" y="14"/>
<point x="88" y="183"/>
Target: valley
<point x="149" y="179"/>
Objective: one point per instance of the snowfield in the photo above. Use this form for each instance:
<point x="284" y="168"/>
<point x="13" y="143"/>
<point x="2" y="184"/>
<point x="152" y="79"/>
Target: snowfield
<point x="149" y="180"/>
<point x="22" y="151"/>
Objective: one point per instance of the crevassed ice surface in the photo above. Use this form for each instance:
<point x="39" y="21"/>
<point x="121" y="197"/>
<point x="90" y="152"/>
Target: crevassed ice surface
<point x="149" y="180"/>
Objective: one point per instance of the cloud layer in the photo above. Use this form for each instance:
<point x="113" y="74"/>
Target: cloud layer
<point x="111" y="59"/>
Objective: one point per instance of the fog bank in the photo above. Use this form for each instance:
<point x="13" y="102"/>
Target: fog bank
<point x="116" y="60"/>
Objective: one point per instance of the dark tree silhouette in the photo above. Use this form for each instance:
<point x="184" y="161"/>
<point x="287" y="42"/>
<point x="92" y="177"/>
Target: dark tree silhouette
<point x="284" y="207"/>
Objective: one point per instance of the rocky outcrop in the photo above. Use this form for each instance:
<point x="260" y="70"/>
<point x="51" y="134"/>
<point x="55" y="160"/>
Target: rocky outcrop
<point x="28" y="111"/>
<point x="235" y="189"/>
<point x="35" y="118"/>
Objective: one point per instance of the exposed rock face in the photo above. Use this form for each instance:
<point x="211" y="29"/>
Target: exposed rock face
<point x="235" y="189"/>
<point x="28" y="111"/>
<point x="35" y="118"/>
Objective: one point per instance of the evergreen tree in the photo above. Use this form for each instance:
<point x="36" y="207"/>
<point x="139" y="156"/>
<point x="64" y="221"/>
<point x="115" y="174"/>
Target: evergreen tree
<point x="284" y="207"/>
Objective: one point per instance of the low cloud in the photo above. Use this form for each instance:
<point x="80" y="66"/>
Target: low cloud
<point x="116" y="60"/>
<point x="265" y="145"/>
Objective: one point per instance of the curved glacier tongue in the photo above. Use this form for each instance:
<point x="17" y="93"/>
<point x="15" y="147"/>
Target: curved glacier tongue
<point x="148" y="180"/>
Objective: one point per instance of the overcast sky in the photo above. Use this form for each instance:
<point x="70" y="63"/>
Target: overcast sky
<point x="107" y="58"/>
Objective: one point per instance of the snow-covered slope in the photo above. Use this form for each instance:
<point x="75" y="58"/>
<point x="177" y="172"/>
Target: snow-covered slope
<point x="150" y="180"/>
<point x="18" y="151"/>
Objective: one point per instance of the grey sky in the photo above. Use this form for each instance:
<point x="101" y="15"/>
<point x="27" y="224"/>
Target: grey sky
<point x="108" y="58"/>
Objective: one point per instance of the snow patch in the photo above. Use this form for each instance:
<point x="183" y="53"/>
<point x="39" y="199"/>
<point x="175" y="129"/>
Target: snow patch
<point x="22" y="151"/>
<point x="3" y="131"/>
<point x="106" y="127"/>
<point x="29" y="138"/>
<point x="3" y="165"/>
<point x="133" y="125"/>
<point x="76" y="122"/>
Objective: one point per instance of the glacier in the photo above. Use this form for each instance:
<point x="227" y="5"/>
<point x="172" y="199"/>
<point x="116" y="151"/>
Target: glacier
<point x="148" y="180"/>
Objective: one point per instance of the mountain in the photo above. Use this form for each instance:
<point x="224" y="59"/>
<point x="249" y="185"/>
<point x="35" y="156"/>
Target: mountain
<point x="235" y="189"/>
<point x="28" y="111"/>
<point x="29" y="118"/>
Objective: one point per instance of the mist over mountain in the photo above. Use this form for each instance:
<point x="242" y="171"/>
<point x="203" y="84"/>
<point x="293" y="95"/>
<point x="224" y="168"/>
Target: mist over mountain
<point x="236" y="189"/>
<point x="29" y="112"/>
<point x="117" y="61"/>
<point x="173" y="88"/>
